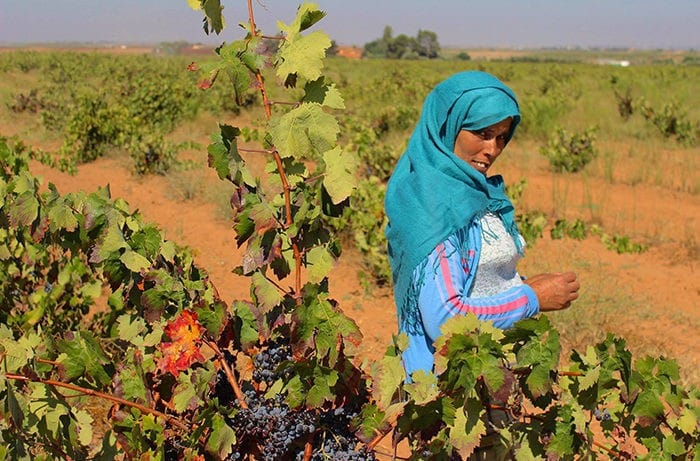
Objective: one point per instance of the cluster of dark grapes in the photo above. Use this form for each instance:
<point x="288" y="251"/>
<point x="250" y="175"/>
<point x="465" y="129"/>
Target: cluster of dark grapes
<point x="272" y="426"/>
<point x="335" y="439"/>
<point x="602" y="415"/>
<point x="268" y="363"/>
<point x="272" y="430"/>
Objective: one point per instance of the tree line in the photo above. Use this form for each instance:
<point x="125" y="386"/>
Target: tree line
<point x="424" y="45"/>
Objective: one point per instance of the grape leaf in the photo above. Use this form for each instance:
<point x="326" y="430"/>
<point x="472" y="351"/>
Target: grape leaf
<point x="324" y="93"/>
<point x="688" y="421"/>
<point x="648" y="405"/>
<point x="320" y="391"/>
<point x="25" y="209"/>
<point x="319" y="263"/>
<point x="186" y="332"/>
<point x="319" y="324"/>
<point x="112" y="241"/>
<point x="308" y="14"/>
<point x="266" y="294"/>
<point x="213" y="19"/>
<point x="303" y="56"/>
<point x="423" y="388"/>
<point x="304" y="132"/>
<point x="389" y="374"/>
<point x="221" y="439"/>
<point x="130" y="383"/>
<point x="134" y="261"/>
<point x="468" y="427"/>
<point x="61" y="217"/>
<point x="83" y="357"/>
<point x="83" y="422"/>
<point x="185" y="395"/>
<point x="340" y="179"/>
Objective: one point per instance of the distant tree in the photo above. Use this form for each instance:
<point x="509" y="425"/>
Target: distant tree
<point x="401" y="47"/>
<point x="424" y="45"/>
<point x="333" y="50"/>
<point x="463" y="56"/>
<point x="427" y="44"/>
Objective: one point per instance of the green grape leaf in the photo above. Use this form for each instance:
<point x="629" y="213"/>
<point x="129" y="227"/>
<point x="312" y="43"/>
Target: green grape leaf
<point x="266" y="293"/>
<point x="221" y="439"/>
<point x="590" y="378"/>
<point x="672" y="447"/>
<point x="340" y="179"/>
<point x="185" y="394"/>
<point x="562" y="442"/>
<point x="248" y="325"/>
<point x="14" y="407"/>
<point x="304" y="132"/>
<point x="132" y="385"/>
<point x="213" y="19"/>
<point x="321" y="391"/>
<point x="298" y="54"/>
<point x="324" y="93"/>
<point x="112" y="241"/>
<point x="134" y="261"/>
<point x="128" y="328"/>
<point x="212" y="317"/>
<point x="82" y="357"/>
<point x="468" y="427"/>
<point x="44" y="405"/>
<point x="308" y="14"/>
<point x="319" y="263"/>
<point x="687" y="421"/>
<point x="423" y="388"/>
<point x="61" y="217"/>
<point x="18" y="353"/>
<point x="320" y="324"/>
<point x="389" y="375"/>
<point x="648" y="405"/>
<point x="84" y="426"/>
<point x="226" y="150"/>
<point x="302" y="55"/>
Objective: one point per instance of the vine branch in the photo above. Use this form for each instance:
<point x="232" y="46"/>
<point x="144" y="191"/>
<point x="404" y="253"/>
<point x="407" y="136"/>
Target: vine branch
<point x="144" y="409"/>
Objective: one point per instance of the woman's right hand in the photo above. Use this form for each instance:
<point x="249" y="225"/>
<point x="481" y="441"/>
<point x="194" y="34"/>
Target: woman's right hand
<point x="554" y="291"/>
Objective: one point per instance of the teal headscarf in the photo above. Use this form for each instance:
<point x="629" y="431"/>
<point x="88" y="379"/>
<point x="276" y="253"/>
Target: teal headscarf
<point x="432" y="193"/>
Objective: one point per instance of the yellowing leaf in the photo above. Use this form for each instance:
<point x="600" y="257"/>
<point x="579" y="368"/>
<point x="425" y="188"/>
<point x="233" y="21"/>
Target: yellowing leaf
<point x="424" y="387"/>
<point x="302" y="55"/>
<point x="387" y="380"/>
<point x="84" y="426"/>
<point x="468" y="428"/>
<point x="134" y="261"/>
<point x="195" y="4"/>
<point x="340" y="178"/>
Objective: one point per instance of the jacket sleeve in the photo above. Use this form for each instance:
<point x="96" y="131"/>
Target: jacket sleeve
<point x="445" y="290"/>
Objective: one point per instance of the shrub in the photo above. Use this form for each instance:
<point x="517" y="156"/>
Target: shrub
<point x="570" y="152"/>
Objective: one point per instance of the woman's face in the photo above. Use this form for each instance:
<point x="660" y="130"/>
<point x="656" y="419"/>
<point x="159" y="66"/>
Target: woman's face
<point x="481" y="148"/>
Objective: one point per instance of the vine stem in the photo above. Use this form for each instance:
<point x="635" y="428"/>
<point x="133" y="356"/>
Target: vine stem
<point x="51" y="382"/>
<point x="278" y="162"/>
<point x="230" y="377"/>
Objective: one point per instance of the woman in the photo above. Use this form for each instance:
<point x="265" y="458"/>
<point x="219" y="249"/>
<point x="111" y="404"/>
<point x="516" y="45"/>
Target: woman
<point x="453" y="240"/>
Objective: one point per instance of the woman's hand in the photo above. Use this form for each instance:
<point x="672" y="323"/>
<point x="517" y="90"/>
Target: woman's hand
<point x="554" y="291"/>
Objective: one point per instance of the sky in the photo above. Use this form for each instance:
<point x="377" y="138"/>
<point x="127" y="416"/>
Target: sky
<point x="640" y="24"/>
